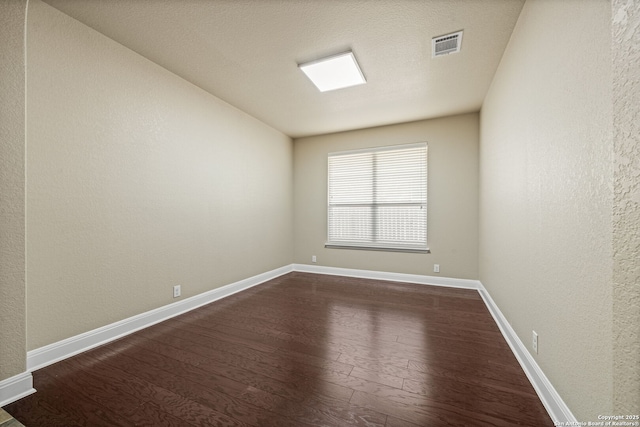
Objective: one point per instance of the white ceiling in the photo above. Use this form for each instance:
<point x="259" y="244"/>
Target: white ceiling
<point x="246" y="52"/>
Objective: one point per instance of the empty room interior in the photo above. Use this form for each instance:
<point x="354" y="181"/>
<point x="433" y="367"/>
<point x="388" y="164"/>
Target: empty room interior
<point x="187" y="238"/>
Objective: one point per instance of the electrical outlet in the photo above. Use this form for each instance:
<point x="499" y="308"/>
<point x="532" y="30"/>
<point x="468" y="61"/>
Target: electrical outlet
<point x="436" y="268"/>
<point x="313" y="258"/>
<point x="535" y="342"/>
<point x="176" y="291"/>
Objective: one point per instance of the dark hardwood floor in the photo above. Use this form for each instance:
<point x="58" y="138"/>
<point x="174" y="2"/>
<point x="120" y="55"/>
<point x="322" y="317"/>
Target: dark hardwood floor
<point x="300" y="350"/>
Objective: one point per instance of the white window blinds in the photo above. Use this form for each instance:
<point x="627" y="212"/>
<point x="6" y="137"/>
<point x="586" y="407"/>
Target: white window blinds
<point x="378" y="198"/>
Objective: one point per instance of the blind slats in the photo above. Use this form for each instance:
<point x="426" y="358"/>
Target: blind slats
<point x="378" y="197"/>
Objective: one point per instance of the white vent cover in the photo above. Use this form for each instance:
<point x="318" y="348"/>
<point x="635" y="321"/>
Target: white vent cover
<point x="444" y="45"/>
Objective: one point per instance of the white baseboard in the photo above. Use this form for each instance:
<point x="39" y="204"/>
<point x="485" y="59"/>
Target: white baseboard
<point x="553" y="403"/>
<point x="60" y="350"/>
<point x="15" y="388"/>
<point x="383" y="275"/>
<point x="21" y="385"/>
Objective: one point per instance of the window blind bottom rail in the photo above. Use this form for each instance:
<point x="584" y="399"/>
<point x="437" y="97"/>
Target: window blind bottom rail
<point x="377" y="248"/>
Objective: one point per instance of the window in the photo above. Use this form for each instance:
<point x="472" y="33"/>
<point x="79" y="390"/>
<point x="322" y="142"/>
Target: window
<point x="378" y="198"/>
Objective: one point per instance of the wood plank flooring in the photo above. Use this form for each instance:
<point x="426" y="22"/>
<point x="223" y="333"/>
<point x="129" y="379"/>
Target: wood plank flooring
<point x="300" y="350"/>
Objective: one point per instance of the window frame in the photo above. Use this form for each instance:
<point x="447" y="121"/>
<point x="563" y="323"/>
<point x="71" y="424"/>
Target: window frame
<point x="378" y="245"/>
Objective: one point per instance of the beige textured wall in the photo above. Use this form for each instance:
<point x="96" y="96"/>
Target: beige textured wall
<point x="546" y="180"/>
<point x="137" y="181"/>
<point x="12" y="188"/>
<point x="452" y="197"/>
<point x="626" y="204"/>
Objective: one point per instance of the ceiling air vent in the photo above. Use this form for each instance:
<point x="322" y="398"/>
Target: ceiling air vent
<point x="444" y="45"/>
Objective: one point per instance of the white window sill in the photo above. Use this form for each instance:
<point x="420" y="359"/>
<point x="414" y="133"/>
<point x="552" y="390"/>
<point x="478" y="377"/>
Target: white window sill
<point x="375" y="248"/>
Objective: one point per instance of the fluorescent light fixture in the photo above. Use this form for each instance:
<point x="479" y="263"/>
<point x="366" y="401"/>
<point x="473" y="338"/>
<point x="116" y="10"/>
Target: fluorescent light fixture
<point x="334" y="72"/>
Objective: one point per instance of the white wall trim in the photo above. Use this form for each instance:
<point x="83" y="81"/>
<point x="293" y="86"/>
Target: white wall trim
<point x="16" y="387"/>
<point x="395" y="277"/>
<point x="44" y="356"/>
<point x="553" y="403"/>
<point x="21" y="385"/>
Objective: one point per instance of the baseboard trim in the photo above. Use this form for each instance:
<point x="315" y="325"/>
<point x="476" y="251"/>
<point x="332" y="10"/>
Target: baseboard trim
<point x="553" y="403"/>
<point x="383" y="275"/>
<point x="44" y="356"/>
<point x="21" y="385"/>
<point x="15" y="388"/>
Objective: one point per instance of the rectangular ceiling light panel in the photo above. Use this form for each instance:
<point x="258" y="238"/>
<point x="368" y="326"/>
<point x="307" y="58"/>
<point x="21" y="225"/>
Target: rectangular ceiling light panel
<point x="334" y="72"/>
